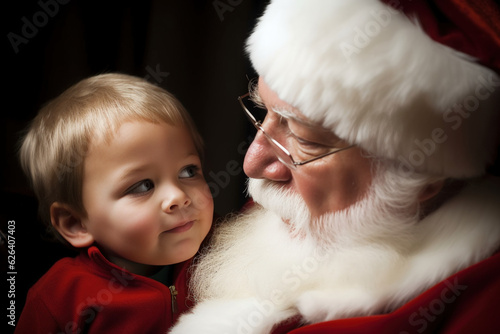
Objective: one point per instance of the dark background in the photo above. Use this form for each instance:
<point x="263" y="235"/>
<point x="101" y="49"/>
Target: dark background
<point x="192" y="48"/>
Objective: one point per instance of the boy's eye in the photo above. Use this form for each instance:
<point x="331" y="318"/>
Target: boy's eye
<point x="141" y="187"/>
<point x="189" y="172"/>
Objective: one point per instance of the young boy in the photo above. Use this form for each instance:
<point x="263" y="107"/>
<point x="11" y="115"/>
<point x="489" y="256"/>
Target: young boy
<point x="115" y="163"/>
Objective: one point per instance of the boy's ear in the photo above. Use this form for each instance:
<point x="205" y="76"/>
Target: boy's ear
<point x="68" y="222"/>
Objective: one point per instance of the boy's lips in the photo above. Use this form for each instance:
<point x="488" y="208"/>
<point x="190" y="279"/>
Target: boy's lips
<point x="181" y="227"/>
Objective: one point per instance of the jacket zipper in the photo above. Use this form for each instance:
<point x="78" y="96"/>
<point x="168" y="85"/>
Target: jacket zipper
<point x="173" y="295"/>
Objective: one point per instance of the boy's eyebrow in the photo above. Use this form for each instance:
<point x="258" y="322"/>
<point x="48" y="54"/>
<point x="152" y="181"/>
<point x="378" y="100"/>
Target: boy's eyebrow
<point x="124" y="176"/>
<point x="140" y="167"/>
<point x="127" y="171"/>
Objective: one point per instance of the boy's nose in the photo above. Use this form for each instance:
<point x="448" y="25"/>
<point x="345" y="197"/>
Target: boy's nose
<point x="175" y="199"/>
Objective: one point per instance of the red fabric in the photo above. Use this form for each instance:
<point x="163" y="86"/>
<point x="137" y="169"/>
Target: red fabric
<point x="469" y="26"/>
<point x="248" y="205"/>
<point x="467" y="302"/>
<point x="88" y="294"/>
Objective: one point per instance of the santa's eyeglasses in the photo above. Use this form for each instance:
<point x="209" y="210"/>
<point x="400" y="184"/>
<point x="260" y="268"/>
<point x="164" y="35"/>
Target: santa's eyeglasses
<point x="257" y="116"/>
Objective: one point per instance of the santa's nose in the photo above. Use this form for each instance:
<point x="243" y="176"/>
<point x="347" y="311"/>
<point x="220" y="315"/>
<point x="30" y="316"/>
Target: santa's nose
<point x="262" y="163"/>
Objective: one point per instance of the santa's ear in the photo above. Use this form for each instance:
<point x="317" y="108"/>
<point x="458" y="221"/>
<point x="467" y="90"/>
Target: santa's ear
<point x="431" y="190"/>
<point x="68" y="222"/>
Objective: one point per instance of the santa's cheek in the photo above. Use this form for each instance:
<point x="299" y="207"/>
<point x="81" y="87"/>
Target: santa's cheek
<point x="319" y="203"/>
<point x="311" y="195"/>
<point x="326" y="197"/>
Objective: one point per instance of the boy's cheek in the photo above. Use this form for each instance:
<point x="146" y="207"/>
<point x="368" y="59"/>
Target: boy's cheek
<point x="203" y="199"/>
<point x="134" y="223"/>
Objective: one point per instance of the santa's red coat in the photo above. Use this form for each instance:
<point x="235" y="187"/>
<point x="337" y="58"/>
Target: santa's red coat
<point x="466" y="302"/>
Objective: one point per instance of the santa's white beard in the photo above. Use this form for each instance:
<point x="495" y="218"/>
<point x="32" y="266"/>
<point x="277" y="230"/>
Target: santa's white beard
<point x="276" y="251"/>
<point x="370" y="258"/>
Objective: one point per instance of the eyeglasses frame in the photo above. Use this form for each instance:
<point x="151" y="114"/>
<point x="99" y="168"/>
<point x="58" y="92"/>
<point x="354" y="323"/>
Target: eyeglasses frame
<point x="291" y="163"/>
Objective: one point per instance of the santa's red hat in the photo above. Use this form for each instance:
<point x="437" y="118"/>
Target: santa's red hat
<point x="413" y="81"/>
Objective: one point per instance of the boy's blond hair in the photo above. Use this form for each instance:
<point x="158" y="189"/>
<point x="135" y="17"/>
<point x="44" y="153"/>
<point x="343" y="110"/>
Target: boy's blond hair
<point x="53" y="150"/>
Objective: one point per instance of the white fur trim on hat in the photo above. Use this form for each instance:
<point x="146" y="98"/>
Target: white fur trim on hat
<point x="371" y="75"/>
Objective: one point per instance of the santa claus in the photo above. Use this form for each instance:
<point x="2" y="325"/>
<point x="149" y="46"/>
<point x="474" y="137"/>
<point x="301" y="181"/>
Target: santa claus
<point x="375" y="211"/>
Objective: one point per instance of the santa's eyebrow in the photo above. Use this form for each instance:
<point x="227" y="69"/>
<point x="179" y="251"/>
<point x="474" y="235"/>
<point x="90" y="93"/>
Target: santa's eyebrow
<point x="255" y="97"/>
<point x="288" y="114"/>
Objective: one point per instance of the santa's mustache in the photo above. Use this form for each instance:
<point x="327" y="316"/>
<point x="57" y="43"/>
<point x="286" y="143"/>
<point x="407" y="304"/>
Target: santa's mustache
<point x="388" y="208"/>
<point x="283" y="202"/>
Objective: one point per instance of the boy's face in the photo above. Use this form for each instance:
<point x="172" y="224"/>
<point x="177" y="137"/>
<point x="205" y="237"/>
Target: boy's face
<point x="146" y="199"/>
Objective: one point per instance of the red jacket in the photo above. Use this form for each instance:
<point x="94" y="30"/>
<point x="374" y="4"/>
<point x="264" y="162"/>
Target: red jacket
<point x="467" y="302"/>
<point x="88" y="294"/>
